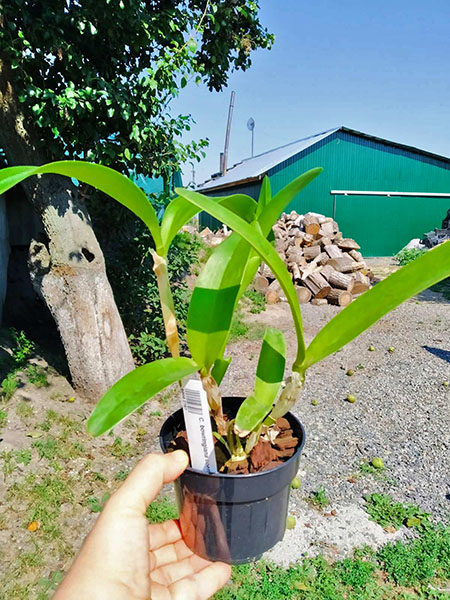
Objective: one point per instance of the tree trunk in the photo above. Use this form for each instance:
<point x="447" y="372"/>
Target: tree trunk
<point x="68" y="271"/>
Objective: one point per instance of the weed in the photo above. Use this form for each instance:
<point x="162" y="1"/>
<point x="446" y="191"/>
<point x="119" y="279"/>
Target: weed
<point x="37" y="376"/>
<point x="98" y="476"/>
<point x="318" y="499"/>
<point x="52" y="449"/>
<point x="24" y="410"/>
<point x="161" y="510"/>
<point x="8" y="465"/>
<point x="95" y="504"/>
<point x="386" y="512"/>
<point x="122" y="475"/>
<point x="23" y="456"/>
<point x="406" y="256"/>
<point x="257" y="301"/>
<point x="239" y="328"/>
<point x="367" y="468"/>
<point x="3" y="418"/>
<point x="9" y="386"/>
<point x="50" y="583"/>
<point x="419" y="559"/>
<point x="120" y="449"/>
<point x="22" y="348"/>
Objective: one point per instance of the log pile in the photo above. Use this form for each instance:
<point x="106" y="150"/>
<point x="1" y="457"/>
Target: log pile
<point x="325" y="267"/>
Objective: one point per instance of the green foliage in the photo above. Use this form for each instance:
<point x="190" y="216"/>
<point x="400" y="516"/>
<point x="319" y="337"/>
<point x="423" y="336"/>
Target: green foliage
<point x="95" y="504"/>
<point x="162" y="509"/>
<point x="113" y="106"/>
<point x="122" y="475"/>
<point x="407" y="255"/>
<point x="411" y="567"/>
<point x="9" y="386"/>
<point x="3" y="418"/>
<point x="269" y="376"/>
<point x="318" y="499"/>
<point x="23" y="456"/>
<point x="257" y="301"/>
<point x="22" y="348"/>
<point x="386" y="512"/>
<point x="419" y="559"/>
<point x="37" y="376"/>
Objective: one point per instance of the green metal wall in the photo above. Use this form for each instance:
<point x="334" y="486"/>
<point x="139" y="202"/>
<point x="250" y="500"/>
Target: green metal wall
<point x="381" y="226"/>
<point x="251" y="189"/>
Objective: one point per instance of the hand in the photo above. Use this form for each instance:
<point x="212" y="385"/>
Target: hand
<point x="125" y="558"/>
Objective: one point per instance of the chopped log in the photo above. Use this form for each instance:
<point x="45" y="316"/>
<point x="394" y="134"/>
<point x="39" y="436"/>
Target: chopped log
<point x="342" y="281"/>
<point x="275" y="286"/>
<point x="317" y="242"/>
<point x="326" y="271"/>
<point x="308" y="239"/>
<point x="322" y="258"/>
<point x="319" y="301"/>
<point x="311" y="252"/>
<point x="361" y="283"/>
<point x="265" y="271"/>
<point x="296" y="275"/>
<point x="325" y="241"/>
<point x="348" y="244"/>
<point x="303" y="294"/>
<point x="350" y="267"/>
<point x="335" y="227"/>
<point x="311" y="224"/>
<point x="339" y="297"/>
<point x="333" y="251"/>
<point x="272" y="297"/>
<point x="280" y="245"/>
<point x="370" y="274"/>
<point x="356" y="255"/>
<point x="260" y="283"/>
<point x="337" y="236"/>
<point x="318" y="285"/>
<point x="327" y="229"/>
<point x="295" y="254"/>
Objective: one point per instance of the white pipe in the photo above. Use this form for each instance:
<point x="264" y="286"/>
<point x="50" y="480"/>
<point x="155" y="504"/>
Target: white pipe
<point x="407" y="194"/>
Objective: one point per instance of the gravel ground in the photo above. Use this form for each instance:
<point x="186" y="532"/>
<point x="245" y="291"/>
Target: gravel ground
<point x="401" y="413"/>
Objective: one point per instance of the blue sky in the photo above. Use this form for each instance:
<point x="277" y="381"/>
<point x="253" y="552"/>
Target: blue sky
<point x="381" y="67"/>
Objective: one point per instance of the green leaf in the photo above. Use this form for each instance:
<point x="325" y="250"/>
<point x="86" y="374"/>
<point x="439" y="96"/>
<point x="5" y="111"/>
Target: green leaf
<point x="214" y="299"/>
<point x="220" y="368"/>
<point x="378" y="301"/>
<point x="281" y="200"/>
<point x="192" y="45"/>
<point x="103" y="178"/>
<point x="180" y="211"/>
<point x="264" y="249"/>
<point x="264" y="196"/>
<point x="269" y="375"/>
<point x="134" y="389"/>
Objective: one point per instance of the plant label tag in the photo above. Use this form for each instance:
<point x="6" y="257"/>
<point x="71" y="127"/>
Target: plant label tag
<point x="198" y="427"/>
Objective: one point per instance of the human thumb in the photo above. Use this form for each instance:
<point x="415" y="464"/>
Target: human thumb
<point x="145" y="481"/>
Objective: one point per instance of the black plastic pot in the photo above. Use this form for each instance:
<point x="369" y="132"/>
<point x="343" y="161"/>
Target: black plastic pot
<point x="233" y="518"/>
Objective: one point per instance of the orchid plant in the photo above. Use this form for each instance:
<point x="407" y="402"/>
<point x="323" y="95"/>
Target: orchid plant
<point x="224" y="278"/>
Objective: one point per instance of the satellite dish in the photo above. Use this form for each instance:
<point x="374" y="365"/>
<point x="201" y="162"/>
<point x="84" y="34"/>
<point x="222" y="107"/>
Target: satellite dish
<point x="251" y="124"/>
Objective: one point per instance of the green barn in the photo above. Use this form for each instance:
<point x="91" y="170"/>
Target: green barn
<point x="353" y="162"/>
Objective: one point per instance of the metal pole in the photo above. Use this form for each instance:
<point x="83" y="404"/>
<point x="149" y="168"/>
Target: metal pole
<point x="334" y="207"/>
<point x="227" y="135"/>
<point x="253" y="139"/>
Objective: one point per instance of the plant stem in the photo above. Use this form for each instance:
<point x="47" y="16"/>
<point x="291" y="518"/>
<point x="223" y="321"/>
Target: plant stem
<point x="167" y="305"/>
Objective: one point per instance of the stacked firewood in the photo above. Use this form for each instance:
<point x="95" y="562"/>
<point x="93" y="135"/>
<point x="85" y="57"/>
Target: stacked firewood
<point x="325" y="266"/>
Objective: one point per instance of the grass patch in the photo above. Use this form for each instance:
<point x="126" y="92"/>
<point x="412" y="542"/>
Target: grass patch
<point x="37" y="376"/>
<point x="119" y="449"/>
<point x="122" y="475"/>
<point x="256" y="301"/>
<point x="23" y="456"/>
<point x="3" y="418"/>
<point x="240" y="329"/>
<point x="417" y="569"/>
<point x="162" y="509"/>
<point x="9" y="386"/>
<point x="386" y="512"/>
<point x="52" y="449"/>
<point x="24" y="410"/>
<point x="318" y="499"/>
<point x="96" y="504"/>
<point x="43" y="498"/>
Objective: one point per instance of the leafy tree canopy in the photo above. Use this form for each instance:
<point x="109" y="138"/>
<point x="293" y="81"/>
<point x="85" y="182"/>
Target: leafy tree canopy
<point x="95" y="77"/>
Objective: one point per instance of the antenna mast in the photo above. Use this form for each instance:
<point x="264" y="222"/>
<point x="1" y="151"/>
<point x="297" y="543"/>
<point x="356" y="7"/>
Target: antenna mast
<point x="224" y="156"/>
<point x="251" y="127"/>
